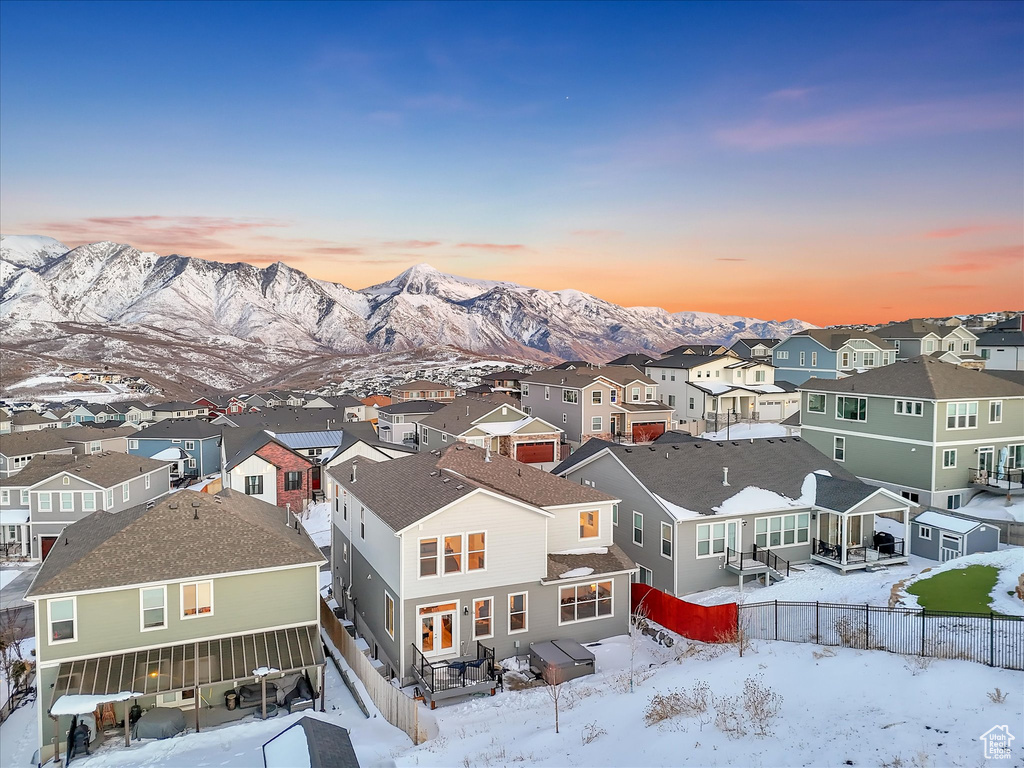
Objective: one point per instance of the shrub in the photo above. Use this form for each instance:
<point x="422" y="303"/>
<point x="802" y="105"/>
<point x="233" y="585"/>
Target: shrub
<point x="761" y="704"/>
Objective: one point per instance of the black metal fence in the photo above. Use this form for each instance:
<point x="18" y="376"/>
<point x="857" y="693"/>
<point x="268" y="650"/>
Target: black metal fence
<point x="988" y="638"/>
<point x="454" y="673"/>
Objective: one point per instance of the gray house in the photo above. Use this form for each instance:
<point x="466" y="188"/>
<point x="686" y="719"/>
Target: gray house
<point x="825" y="353"/>
<point x="942" y="537"/>
<point x="18" y="448"/>
<point x="952" y="343"/>
<point x="54" y="491"/>
<point x="442" y="559"/>
<point x="396" y="423"/>
<point x="89" y="439"/>
<point x="192" y="444"/>
<point x="700" y="514"/>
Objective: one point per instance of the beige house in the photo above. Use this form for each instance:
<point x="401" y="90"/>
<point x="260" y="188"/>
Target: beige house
<point x="421" y="389"/>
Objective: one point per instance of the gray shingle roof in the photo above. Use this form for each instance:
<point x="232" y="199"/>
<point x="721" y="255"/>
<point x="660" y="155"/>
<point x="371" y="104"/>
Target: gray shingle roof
<point x="838" y="494"/>
<point x="28" y="418"/>
<point x="85" y="434"/>
<point x="288" y="418"/>
<point x="458" y="416"/>
<point x="581" y="377"/>
<point x="175" y="405"/>
<point x="585" y="451"/>
<point x="419" y="384"/>
<point x="686" y="361"/>
<point x="412" y="406"/>
<point x="636" y="359"/>
<point x="834" y="339"/>
<point x="38" y="441"/>
<point x="104" y="469"/>
<point x="234" y="532"/>
<point x="921" y="377"/>
<point x="611" y="562"/>
<point x="179" y="429"/>
<point x="913" y="329"/>
<point x="696" y="349"/>
<point x="329" y="745"/>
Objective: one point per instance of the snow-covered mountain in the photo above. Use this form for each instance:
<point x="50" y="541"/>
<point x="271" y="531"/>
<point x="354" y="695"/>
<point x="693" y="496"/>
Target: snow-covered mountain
<point x="120" y="287"/>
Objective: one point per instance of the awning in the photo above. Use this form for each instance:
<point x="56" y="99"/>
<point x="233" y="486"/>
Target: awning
<point x="13" y="516"/>
<point x="173" y="667"/>
<point x="170" y="454"/>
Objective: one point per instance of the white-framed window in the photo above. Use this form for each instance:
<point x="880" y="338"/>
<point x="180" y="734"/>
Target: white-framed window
<point x="691" y="403"/>
<point x="995" y="412"/>
<point x="547" y="393"/>
<point x="851" y="408"/>
<point x="565" y="418"/>
<point x="517" y="610"/>
<point x="643" y="575"/>
<point x="476" y="551"/>
<point x="949" y="458"/>
<point x="844" y="360"/>
<point x="453" y="554"/>
<point x="649" y="393"/>
<point x="526" y="390"/>
<point x="672" y="401"/>
<point x="528" y="410"/>
<point x="961" y="415"/>
<point x="814" y="359"/>
<point x="712" y="539"/>
<point x="613" y="396"/>
<point x="815" y="402"/>
<point x="5" y="496"/>
<point x="615" y="514"/>
<point x="190" y="445"/>
<point x="444" y="437"/>
<point x="95" y="446"/>
<point x="925" y="532"/>
<point x="570" y="396"/>
<point x="590" y="524"/>
<point x="584" y="602"/>
<point x="782" y="354"/>
<point x="389" y="615"/>
<point x="428" y="557"/>
<point x="596" y="424"/>
<point x="148" y="482"/>
<point x="88" y="501"/>
<point x="911" y="496"/>
<point x="758" y="377"/>
<point x="62" y="620"/>
<point x="109" y="497"/>
<point x="152" y="608"/>
<point x="909" y="408"/>
<point x="803" y="358"/>
<point x="634" y="394"/>
<point x="929" y="345"/>
<point x="953" y="501"/>
<point x="65" y="480"/>
<point x="869" y="359"/>
<point x="782" y="530"/>
<point x="666" y="540"/>
<point x="638" y="529"/>
<point x="596" y="397"/>
<point x="45" y="501"/>
<point x="362" y="522"/>
<point x="133" y="444"/>
<point x="483" y="618"/>
<point x="125" y="492"/>
<point x="67" y="501"/>
<point x="839" y="448"/>
<point x="196" y="599"/>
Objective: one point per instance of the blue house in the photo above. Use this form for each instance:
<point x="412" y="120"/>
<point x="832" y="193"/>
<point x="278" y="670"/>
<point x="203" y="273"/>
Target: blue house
<point x="823" y="353"/>
<point x="193" y="444"/>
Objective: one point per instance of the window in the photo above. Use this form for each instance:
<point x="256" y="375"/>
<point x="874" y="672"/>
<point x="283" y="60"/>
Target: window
<point x="961" y="415"/>
<point x="691" y="403"/>
<point x="528" y="410"/>
<point x="613" y="396"/>
<point x="634" y="394"/>
<point x="711" y="539"/>
<point x="148" y="482"/>
<point x="666" y="540"/>
<point x="584" y="602"/>
<point x="133" y="445"/>
<point x="526" y="390"/>
<point x="953" y="501"/>
<point x="362" y="522"/>
<point x="124" y="492"/>
<point x="595" y="397"/>
<point x="638" y="529"/>
<point x="949" y="458"/>
<point x="444" y="437"/>
<point x="428" y="557"/>
<point x="88" y="502"/>
<point x="644" y="575"/>
<point x="254" y="485"/>
<point x="565" y="419"/>
<point x="782" y="530"/>
<point x="758" y="377"/>
<point x="476" y="550"/>
<point x="292" y="481"/>
<point x="196" y="599"/>
<point x="869" y="359"/>
<point x="5" y="496"/>
<point x="929" y="346"/>
<point x="153" y="608"/>
<point x="814" y="359"/>
<point x="803" y="358"/>
<point x="816" y="402"/>
<point x="595" y="423"/>
<point x="648" y="393"/>
<point x="453" y="554"/>
<point x="851" y="408"/>
<point x="995" y="412"/>
<point x="44" y="502"/>
<point x="190" y="445"/>
<point x="925" y="532"/>
<point x="570" y="396"/>
<point x="62" y="615"/>
<point x="66" y="480"/>
<point x="845" y="360"/>
<point x="389" y="615"/>
<point x="909" y="408"/>
<point x="910" y="496"/>
<point x="517" y="613"/>
<point x="782" y="354"/>
<point x="67" y="501"/>
<point x="483" y="626"/>
<point x="109" y="498"/>
<point x="190" y="463"/>
<point x="615" y="514"/>
<point x="547" y="393"/>
<point x="839" y="448"/>
<point x="95" y="447"/>
<point x="589" y="526"/>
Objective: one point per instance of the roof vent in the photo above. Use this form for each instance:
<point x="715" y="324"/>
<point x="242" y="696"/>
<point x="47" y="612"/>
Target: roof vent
<point x="629" y="450"/>
<point x="459" y="487"/>
<point x="795" y="439"/>
<point x="720" y="445"/>
<point x="725" y="475"/>
<point x="675" y="447"/>
<point x="666" y="454"/>
<point x="782" y="439"/>
<point x="735" y="443"/>
<point x="433" y="472"/>
<point x="173" y="505"/>
<point x="445" y="479"/>
<point x="195" y="513"/>
<point x="770" y="440"/>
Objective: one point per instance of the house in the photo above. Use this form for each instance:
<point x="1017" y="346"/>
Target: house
<point x="170" y="605"/>
<point x="943" y="537"/>
<point x="89" y="440"/>
<point x="935" y="432"/>
<point x="53" y="491"/>
<point x="755" y="348"/>
<point x="495" y="423"/>
<point x="371" y="404"/>
<point x="17" y="448"/>
<point x="178" y="409"/>
<point x="286" y="418"/>
<point x="265" y="468"/>
<point x="700" y="514"/>
<point x="717" y="387"/>
<point x="506" y="381"/>
<point x="949" y="343"/>
<point x="597" y="401"/>
<point x="137" y="412"/>
<point x="421" y="389"/>
<point x="707" y="350"/>
<point x="310" y="742"/>
<point x="1002" y="345"/>
<point x="352" y="409"/>
<point x="61" y="417"/>
<point x="5" y="421"/>
<point x="461" y="556"/>
<point x="396" y="423"/>
<point x="192" y="445"/>
<point x="825" y="353"/>
<point x="30" y="421"/>
<point x="360" y="439"/>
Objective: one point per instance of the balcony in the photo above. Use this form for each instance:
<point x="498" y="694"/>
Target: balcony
<point x="1005" y="481"/>
<point x="463" y="676"/>
<point x="857" y="556"/>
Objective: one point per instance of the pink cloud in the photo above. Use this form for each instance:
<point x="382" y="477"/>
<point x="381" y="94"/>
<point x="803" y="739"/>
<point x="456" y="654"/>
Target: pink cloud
<point x="492" y="246"/>
<point x="196" y="233"/>
<point x="411" y="244"/>
<point x="984" y="259"/>
<point x="951" y="232"/>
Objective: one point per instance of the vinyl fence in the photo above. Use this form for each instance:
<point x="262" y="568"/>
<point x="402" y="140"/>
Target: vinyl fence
<point x="397" y="708"/>
<point x="988" y="638"/>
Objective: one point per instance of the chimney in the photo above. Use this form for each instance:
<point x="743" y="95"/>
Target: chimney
<point x="287" y="513"/>
<point x="353" y="471"/>
<point x="725" y="475"/>
<point x="487" y="452"/>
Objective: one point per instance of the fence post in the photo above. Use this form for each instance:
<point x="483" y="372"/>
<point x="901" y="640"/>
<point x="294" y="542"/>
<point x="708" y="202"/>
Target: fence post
<point x="991" y="638"/>
<point x="922" y="630"/>
<point x="776" y="619"/>
<point x="817" y="622"/>
<point x="739" y="629"/>
<point x="867" y="625"/>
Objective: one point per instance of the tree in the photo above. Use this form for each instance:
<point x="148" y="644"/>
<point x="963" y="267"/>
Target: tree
<point x="12" y="663"/>
<point x="637" y="624"/>
<point x="555" y="678"/>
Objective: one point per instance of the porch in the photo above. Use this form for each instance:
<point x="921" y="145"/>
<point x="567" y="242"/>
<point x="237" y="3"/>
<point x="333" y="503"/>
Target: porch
<point x="849" y="542"/>
<point x="757" y="562"/>
<point x="998" y="481"/>
<point x="462" y="676"/>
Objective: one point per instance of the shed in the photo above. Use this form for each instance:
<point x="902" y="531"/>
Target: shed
<point x="942" y="537"/>
<point x="310" y="743"/>
<point x="561" y="660"/>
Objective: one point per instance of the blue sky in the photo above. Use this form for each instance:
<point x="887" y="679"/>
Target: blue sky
<point x="722" y="148"/>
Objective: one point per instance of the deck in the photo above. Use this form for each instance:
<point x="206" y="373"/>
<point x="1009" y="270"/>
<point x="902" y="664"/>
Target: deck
<point x="462" y="676"/>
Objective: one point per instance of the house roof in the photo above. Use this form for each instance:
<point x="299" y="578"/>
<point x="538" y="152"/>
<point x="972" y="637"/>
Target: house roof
<point x="376" y="400"/>
<point x="302" y="440"/>
<point x="582" y="377"/>
<point x="584" y="452"/>
<point x="27" y="418"/>
<point x="1005" y="334"/>
<point x="502" y="375"/>
<point x="610" y="561"/>
<point x="249" y="442"/>
<point x="674" y="436"/>
<point x="793" y="420"/>
<point x="233" y="533"/>
<point x="328" y="746"/>
<point x="682" y="360"/>
<point x="338" y="401"/>
<point x="37" y="441"/>
<point x="923" y="377"/>
<point x="175" y="405"/>
<point x="404" y="491"/>
<point x="947" y="522"/>
<point x="178" y="429"/>
<point x="914" y="329"/>
<point x="288" y="418"/>
<point x="840" y="495"/>
<point x="104" y="469"/>
<point x="418" y="384"/>
<point x="460" y="414"/>
<point x="412" y="406"/>
<point x="648" y="407"/>
<point x="753" y="342"/>
<point x="696" y="349"/>
<point x="835" y="339"/>
<point x="85" y="434"/>
<point x="480" y="389"/>
<point x="636" y="359"/>
<point x="569" y="364"/>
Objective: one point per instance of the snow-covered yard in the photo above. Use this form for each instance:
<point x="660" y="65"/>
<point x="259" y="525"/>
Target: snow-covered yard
<point x="989" y="506"/>
<point x="745" y="431"/>
<point x="317" y="522"/>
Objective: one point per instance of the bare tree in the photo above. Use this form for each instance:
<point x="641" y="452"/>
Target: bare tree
<point x="637" y="624"/>
<point x="12" y="662"/>
<point x="555" y="678"/>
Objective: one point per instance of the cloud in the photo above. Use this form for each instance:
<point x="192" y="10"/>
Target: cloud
<point x="728" y="259"/>
<point x="984" y="259"/>
<point x="411" y="243"/>
<point x="492" y="246"/>
<point x="790" y="94"/>
<point x="341" y="250"/>
<point x="874" y="124"/>
<point x="950" y="232"/>
<point x="195" y="233"/>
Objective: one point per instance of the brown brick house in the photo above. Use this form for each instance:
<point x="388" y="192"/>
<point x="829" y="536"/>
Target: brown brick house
<point x="269" y="470"/>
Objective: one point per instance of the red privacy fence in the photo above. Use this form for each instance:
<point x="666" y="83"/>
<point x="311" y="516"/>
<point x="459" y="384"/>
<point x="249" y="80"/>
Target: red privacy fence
<point x="706" y="623"/>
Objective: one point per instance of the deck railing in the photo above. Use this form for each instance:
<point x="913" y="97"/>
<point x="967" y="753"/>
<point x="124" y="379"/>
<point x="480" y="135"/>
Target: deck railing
<point x="858" y="554"/>
<point x="454" y="673"/>
<point x="759" y="554"/>
<point x="996" y="479"/>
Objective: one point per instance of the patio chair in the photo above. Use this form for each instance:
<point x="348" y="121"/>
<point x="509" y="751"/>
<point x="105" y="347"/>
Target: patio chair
<point x="473" y="665"/>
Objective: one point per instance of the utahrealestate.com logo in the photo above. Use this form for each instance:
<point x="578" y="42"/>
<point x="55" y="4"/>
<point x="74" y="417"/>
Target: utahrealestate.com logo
<point x="997" y="742"/>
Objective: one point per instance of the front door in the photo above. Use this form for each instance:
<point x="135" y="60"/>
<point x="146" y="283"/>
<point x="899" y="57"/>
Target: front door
<point x="949" y="547"/>
<point x="45" y="545"/>
<point x="315" y="477"/>
<point x="986" y="459"/>
<point x="438" y="635"/>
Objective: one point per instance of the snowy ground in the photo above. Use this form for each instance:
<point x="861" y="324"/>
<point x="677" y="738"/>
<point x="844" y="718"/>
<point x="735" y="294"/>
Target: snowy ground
<point x="7" y="575"/>
<point x="27" y="646"/>
<point x="317" y="522"/>
<point x="990" y="506"/>
<point x="746" y="431"/>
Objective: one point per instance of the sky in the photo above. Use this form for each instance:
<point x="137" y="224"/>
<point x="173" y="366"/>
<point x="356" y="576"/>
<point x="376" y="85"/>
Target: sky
<point x="834" y="162"/>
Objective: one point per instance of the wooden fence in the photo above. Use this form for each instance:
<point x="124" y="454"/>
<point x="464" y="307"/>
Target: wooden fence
<point x="705" y="623"/>
<point x="397" y="708"/>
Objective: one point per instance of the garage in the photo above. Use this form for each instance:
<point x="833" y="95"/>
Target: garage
<point x="534" y="453"/>
<point x="646" y="431"/>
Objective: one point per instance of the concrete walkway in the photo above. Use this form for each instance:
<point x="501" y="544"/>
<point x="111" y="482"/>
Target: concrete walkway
<point x="15" y="608"/>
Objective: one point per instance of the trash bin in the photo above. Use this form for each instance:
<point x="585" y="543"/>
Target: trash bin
<point x="231" y="699"/>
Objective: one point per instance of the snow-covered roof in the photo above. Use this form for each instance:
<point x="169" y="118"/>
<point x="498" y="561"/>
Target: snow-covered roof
<point x="498" y="428"/>
<point x="948" y="522"/>
<point x="13" y="516"/>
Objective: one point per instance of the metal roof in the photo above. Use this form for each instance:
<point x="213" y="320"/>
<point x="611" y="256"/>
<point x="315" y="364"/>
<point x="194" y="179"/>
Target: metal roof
<point x="322" y="439"/>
